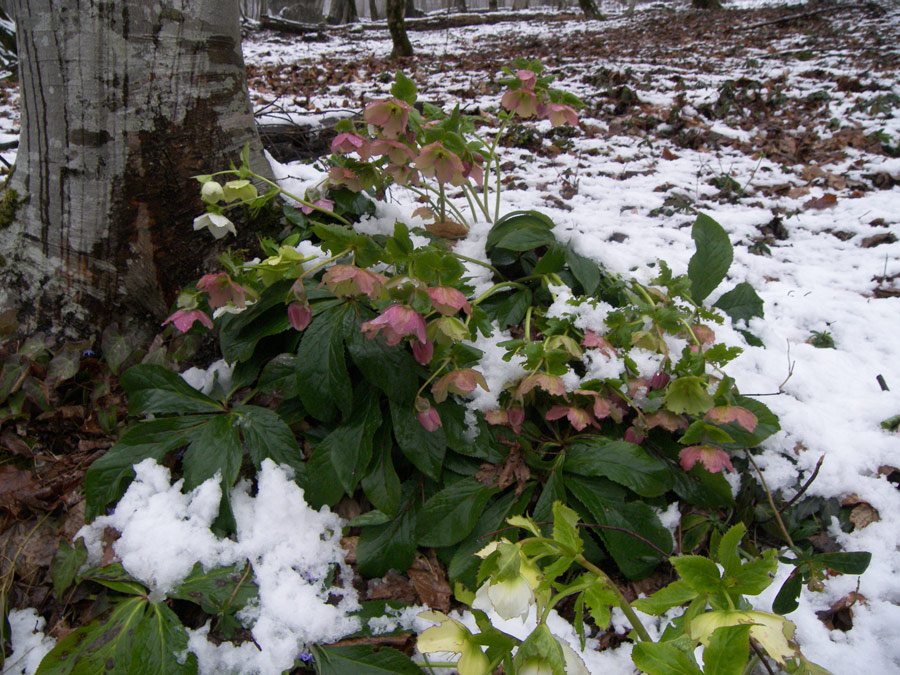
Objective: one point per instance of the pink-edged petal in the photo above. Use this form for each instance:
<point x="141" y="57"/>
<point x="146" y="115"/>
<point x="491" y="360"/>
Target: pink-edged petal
<point x="714" y="459"/>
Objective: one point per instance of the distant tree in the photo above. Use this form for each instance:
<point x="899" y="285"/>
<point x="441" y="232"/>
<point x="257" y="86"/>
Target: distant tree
<point x="343" y="11"/>
<point x="706" y="4"/>
<point x="373" y="10"/>
<point x="394" y="12"/>
<point x="589" y="7"/>
<point x="121" y="104"/>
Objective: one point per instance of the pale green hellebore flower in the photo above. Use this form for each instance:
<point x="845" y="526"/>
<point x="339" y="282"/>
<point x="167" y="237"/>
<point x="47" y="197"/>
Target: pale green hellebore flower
<point x="242" y="190"/>
<point x="451" y="636"/>
<point x="212" y="192"/>
<point x="217" y="224"/>
<point x="771" y="631"/>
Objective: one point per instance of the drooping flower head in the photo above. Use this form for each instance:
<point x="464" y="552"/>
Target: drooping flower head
<point x="183" y="319"/>
<point x="299" y="315"/>
<point x="394" y="323"/>
<point x="428" y="417"/>
<point x="436" y="160"/>
<point x="347" y="143"/>
<point x="222" y="290"/>
<point x="458" y="382"/>
<point x="338" y="176"/>
<point x="324" y="204"/>
<point x="713" y="458"/>
<point x="217" y="224"/>
<point x="579" y="418"/>
<point x="528" y="78"/>
<point x="397" y="152"/>
<point x="558" y="114"/>
<point x="448" y="300"/>
<point x="523" y="102"/>
<point x="391" y="116"/>
<point x="348" y="280"/>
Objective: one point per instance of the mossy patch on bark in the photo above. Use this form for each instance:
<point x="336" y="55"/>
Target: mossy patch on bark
<point x="9" y="204"/>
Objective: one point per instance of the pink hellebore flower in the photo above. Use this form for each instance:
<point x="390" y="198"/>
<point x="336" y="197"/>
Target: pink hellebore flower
<point x="632" y="435"/>
<point x="513" y="417"/>
<point x="591" y="339"/>
<point x="552" y="384"/>
<point x="183" y="319"/>
<point x="390" y="115"/>
<point x="577" y="417"/>
<point x="528" y="78"/>
<point x="423" y="351"/>
<point x="339" y="176"/>
<point x="435" y="159"/>
<point x="714" y="459"/>
<point x="474" y="171"/>
<point x="396" y="321"/>
<point x="667" y="420"/>
<point x="324" y="204"/>
<point x="299" y="315"/>
<point x="347" y="280"/>
<point x="396" y="151"/>
<point x="428" y="417"/>
<point x="448" y="301"/>
<point x="558" y="114"/>
<point x="346" y="143"/>
<point x="222" y="290"/>
<point x="520" y="101"/>
<point x="659" y="380"/>
<point x="724" y="414"/>
<point x="458" y="382"/>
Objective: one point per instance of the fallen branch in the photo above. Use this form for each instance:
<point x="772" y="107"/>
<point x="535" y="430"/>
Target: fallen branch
<point x="803" y="15"/>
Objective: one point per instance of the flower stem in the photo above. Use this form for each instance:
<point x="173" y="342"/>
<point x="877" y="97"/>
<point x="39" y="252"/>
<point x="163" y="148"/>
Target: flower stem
<point x="624" y="605"/>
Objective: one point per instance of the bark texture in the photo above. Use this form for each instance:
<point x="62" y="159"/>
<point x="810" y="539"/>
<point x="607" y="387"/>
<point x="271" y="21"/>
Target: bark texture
<point x="394" y="11"/>
<point x="122" y="102"/>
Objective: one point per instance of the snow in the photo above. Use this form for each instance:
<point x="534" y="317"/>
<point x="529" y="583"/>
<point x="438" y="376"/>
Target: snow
<point x="828" y="400"/>
<point x="292" y="549"/>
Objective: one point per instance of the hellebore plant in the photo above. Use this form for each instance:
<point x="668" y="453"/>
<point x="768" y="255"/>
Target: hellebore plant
<point x="539" y="571"/>
<point x="427" y="152"/>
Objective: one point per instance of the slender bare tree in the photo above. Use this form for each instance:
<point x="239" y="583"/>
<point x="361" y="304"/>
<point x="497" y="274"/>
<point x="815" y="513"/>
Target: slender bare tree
<point x="121" y="104"/>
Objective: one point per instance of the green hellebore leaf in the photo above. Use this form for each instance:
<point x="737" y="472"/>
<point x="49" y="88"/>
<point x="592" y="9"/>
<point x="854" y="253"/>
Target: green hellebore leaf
<point x="708" y="266"/>
<point x="688" y="395"/>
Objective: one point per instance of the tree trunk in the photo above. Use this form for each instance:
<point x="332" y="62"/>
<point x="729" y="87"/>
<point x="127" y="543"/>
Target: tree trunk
<point x="492" y="5"/>
<point x="121" y="104"/>
<point x="520" y="4"/>
<point x="706" y="4"/>
<point x="373" y="10"/>
<point x="397" y="27"/>
<point x="458" y="6"/>
<point x="343" y="11"/>
<point x="411" y="11"/>
<point x="589" y="7"/>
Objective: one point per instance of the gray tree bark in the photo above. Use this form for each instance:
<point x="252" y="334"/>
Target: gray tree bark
<point x="394" y="11"/>
<point x="122" y="102"/>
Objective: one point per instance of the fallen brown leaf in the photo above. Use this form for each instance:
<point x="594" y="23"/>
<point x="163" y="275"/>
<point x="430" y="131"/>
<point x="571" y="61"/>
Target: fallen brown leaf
<point x="430" y="581"/>
<point x="826" y="201"/>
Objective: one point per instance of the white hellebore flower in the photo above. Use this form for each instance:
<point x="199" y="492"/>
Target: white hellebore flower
<point x="212" y="192"/>
<point x="451" y="636"/>
<point x="218" y="224"/>
<point x="509" y="598"/>
<point x="574" y="663"/>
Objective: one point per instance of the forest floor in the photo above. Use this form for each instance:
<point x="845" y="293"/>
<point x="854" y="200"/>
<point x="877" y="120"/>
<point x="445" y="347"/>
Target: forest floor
<point x="786" y="130"/>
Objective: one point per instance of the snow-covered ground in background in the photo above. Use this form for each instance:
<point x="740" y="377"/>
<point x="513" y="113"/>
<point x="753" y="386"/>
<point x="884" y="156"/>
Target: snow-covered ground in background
<point x="828" y="400"/>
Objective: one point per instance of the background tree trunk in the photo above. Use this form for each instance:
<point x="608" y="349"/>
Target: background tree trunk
<point x="343" y="11"/>
<point x="706" y="4"/>
<point x="121" y="104"/>
<point x="397" y="27"/>
<point x="589" y="7"/>
<point x="373" y="10"/>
